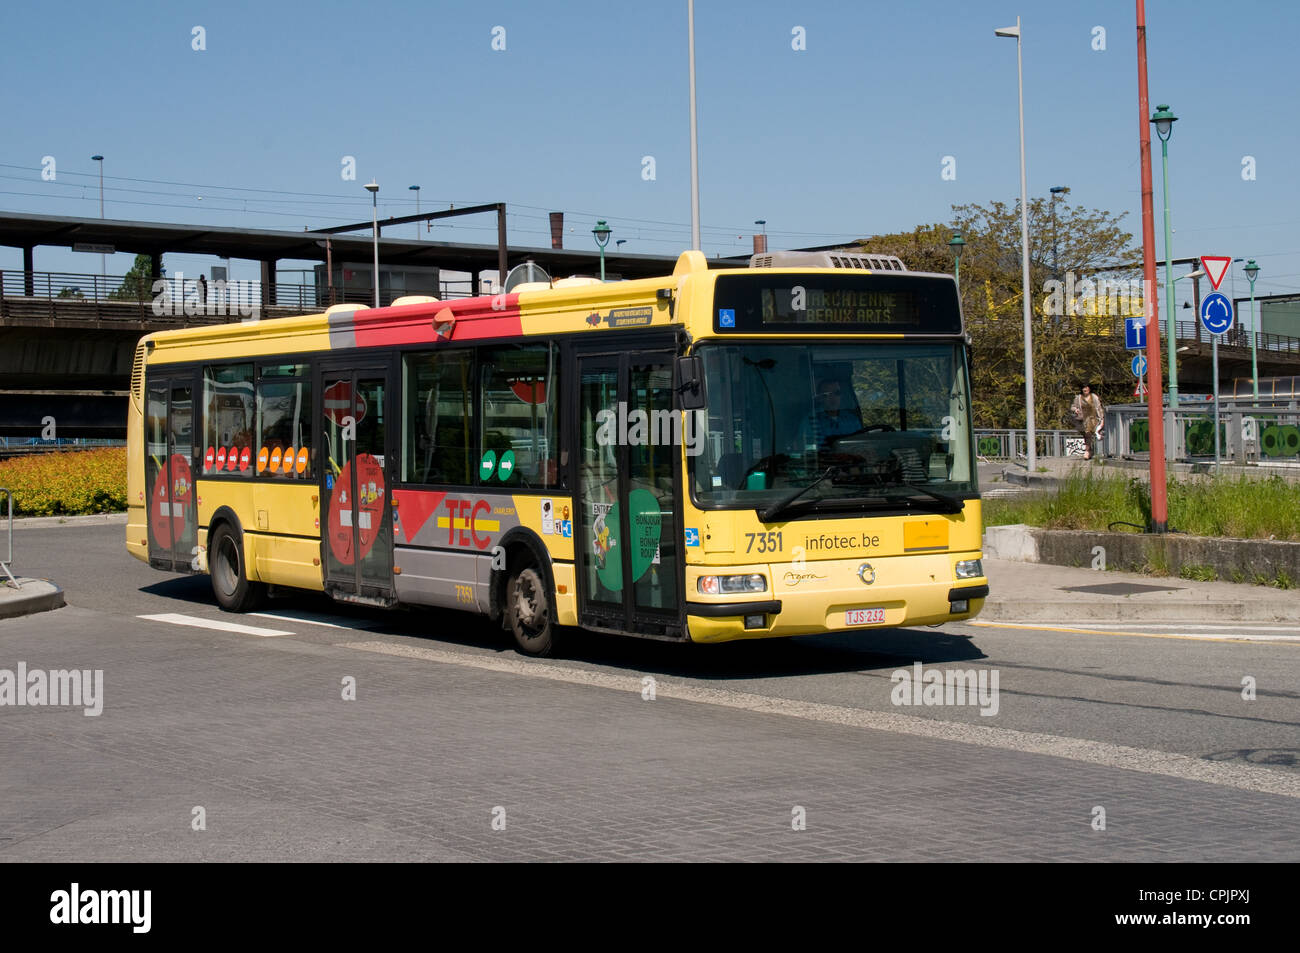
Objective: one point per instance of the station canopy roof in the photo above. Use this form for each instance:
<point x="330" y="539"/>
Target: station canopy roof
<point x="145" y="238"/>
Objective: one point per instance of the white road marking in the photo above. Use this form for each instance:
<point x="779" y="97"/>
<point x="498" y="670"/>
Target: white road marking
<point x="176" y="618"/>
<point x="343" y="623"/>
<point x="1244" y="776"/>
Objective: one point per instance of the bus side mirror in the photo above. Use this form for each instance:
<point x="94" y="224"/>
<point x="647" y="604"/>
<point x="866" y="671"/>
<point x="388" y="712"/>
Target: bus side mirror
<point x="690" y="383"/>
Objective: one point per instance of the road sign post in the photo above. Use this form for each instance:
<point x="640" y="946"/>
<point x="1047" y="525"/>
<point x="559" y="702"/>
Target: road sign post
<point x="1216" y="317"/>
<point x="1135" y="334"/>
<point x="1216" y="266"/>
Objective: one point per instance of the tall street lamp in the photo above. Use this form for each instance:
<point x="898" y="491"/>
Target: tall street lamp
<point x="373" y="188"/>
<point x="957" y="243"/>
<point x="1252" y="272"/>
<point x="1031" y="455"/>
<point x="416" y="190"/>
<point x="601" y="231"/>
<point x="1056" y="247"/>
<point x="1164" y="122"/>
<point x="103" y="260"/>
<point x="695" y="139"/>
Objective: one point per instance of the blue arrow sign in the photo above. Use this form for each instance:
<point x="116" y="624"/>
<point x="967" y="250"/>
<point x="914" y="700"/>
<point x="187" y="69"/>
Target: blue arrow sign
<point x="1216" y="313"/>
<point x="1135" y="334"/>
<point x="1139" y="365"/>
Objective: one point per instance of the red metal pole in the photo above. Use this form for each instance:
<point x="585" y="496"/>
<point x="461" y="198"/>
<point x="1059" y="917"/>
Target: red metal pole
<point x="1155" y="397"/>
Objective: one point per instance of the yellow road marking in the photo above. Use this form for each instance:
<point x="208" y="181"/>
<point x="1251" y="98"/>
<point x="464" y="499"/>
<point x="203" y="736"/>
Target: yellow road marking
<point x="1135" y="635"/>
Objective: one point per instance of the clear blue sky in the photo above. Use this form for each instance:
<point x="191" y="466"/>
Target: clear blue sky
<point x="840" y="140"/>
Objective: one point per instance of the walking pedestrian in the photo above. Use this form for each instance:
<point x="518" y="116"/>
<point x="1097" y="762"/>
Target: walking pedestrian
<point x="1088" y="413"/>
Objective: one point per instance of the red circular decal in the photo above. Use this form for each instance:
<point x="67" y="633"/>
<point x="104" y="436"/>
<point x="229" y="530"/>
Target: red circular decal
<point x="245" y="457"/>
<point x="221" y="458"/>
<point x="209" y="458"/>
<point x="366" y="511"/>
<point x="232" y="458"/>
<point x="531" y="390"/>
<point x="172" y="490"/>
<point x="339" y="402"/>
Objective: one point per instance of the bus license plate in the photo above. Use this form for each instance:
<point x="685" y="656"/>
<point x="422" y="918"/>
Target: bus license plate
<point x="864" y="616"/>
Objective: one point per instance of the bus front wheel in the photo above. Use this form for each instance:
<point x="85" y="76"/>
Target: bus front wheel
<point x="230" y="583"/>
<point x="528" y="612"/>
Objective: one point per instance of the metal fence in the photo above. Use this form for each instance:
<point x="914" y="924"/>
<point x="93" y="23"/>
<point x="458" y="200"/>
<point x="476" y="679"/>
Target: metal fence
<point x="67" y="295"/>
<point x="15" y="445"/>
<point x="1239" y="337"/>
<point x="1266" y="432"/>
<point x="1013" y="444"/>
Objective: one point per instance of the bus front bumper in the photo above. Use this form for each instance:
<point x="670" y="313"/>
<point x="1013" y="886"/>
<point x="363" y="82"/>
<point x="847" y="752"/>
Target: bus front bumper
<point x="830" y="596"/>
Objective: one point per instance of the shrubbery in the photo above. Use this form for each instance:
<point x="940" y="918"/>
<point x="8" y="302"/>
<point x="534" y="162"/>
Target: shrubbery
<point x="66" y="482"/>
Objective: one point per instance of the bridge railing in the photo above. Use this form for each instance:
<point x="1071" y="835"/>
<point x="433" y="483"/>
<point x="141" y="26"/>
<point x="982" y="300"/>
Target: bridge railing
<point x="1239" y="337"/>
<point x="52" y="294"/>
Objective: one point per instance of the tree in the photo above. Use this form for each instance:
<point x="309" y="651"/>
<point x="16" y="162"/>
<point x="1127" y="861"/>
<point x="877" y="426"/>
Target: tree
<point x="1078" y="336"/>
<point x="137" y="284"/>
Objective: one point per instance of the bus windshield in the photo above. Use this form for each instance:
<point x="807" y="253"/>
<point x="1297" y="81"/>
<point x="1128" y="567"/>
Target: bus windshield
<point x="798" y="426"/>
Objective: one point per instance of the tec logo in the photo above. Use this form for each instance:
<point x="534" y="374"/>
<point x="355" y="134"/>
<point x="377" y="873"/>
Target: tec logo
<point x="464" y="522"/>
<point x="866" y="574"/>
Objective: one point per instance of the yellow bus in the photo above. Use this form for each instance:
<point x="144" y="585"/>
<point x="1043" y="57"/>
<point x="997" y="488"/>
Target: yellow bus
<point x="777" y="450"/>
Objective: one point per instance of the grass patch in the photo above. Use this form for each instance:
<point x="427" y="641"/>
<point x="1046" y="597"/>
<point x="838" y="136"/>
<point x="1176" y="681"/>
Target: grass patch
<point x="67" y="483"/>
<point x="1237" y="508"/>
<point x="1157" y="563"/>
<point x="1199" y="573"/>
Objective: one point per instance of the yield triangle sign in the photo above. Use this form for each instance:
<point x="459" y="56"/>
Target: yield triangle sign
<point x="1215" y="268"/>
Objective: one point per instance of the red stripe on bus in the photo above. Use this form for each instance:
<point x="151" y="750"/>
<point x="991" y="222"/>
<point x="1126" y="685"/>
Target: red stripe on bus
<point x="474" y="318"/>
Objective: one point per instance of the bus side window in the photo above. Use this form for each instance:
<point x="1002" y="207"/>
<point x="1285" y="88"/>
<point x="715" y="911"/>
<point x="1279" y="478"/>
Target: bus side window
<point x="437" y="417"/>
<point x="518" y="396"/>
<point x="284" y="418"/>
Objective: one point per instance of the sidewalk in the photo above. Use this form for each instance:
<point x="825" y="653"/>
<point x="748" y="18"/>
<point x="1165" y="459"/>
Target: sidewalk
<point x="33" y="595"/>
<point x="41" y="595"/>
<point x="1035" y="592"/>
<point x="1056" y="469"/>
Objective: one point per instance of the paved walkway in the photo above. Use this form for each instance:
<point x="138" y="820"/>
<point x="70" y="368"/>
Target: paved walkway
<point x="1024" y="592"/>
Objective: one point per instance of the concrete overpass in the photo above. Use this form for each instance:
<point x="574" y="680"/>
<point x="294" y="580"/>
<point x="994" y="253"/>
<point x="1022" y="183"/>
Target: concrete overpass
<point x="67" y="340"/>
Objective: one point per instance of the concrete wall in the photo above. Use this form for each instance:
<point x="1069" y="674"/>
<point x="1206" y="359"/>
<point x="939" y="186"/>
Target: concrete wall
<point x="1233" y="560"/>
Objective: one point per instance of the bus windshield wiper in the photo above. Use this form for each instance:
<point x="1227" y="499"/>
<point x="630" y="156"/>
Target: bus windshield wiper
<point x="953" y="504"/>
<point x="769" y="513"/>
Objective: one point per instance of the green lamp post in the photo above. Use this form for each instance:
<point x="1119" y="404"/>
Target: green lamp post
<point x="1252" y="272"/>
<point x="1164" y="122"/>
<point x="957" y="243"/>
<point x="602" y="233"/>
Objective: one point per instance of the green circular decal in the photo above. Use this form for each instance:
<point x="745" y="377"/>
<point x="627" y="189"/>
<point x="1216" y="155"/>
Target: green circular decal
<point x="507" y="467"/>
<point x="487" y="465"/>
<point x="646" y="520"/>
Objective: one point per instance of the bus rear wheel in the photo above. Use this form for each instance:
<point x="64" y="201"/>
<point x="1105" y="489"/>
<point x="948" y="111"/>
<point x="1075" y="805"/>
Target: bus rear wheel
<point x="230" y="583"/>
<point x="528" y="612"/>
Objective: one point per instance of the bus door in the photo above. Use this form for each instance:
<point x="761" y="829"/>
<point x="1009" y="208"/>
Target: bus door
<point x="168" y="473"/>
<point x="356" y="484"/>
<point x="627" y="529"/>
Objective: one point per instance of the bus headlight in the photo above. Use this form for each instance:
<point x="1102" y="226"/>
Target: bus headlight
<point x="969" y="569"/>
<point x="718" y="585"/>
